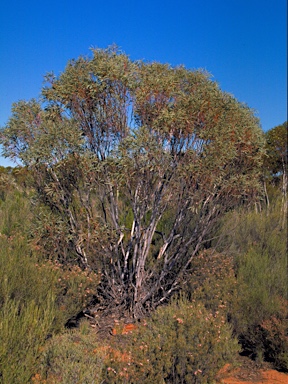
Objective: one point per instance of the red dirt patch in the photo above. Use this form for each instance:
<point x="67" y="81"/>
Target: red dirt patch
<point x="250" y="373"/>
<point x="124" y="329"/>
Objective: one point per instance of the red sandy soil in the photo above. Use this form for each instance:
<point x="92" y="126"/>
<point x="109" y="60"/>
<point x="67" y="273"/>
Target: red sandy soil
<point x="249" y="373"/>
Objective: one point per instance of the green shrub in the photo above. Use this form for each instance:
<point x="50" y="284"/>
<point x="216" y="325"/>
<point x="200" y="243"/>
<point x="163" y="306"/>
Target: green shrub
<point x="243" y="230"/>
<point x="181" y="343"/>
<point x="15" y="214"/>
<point x="259" y="312"/>
<point x="211" y="280"/>
<point x="260" y="288"/>
<point x="27" y="310"/>
<point x="36" y="297"/>
<point x="23" y="330"/>
<point x="275" y="340"/>
<point x="73" y="357"/>
<point x="73" y="288"/>
<point x="20" y="278"/>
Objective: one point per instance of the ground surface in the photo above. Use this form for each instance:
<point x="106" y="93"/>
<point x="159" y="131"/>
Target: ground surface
<point x="250" y="372"/>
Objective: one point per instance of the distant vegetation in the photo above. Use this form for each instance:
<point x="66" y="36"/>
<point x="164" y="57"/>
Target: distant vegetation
<point x="147" y="195"/>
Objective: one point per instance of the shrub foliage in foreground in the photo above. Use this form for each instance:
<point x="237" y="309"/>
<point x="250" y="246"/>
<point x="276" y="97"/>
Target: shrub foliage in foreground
<point x="36" y="298"/>
<point x="27" y="310"/>
<point x="73" y="357"/>
<point x="181" y="343"/>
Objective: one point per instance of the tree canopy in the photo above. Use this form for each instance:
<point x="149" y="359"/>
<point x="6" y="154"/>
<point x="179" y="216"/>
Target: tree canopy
<point x="134" y="163"/>
<point x="276" y="146"/>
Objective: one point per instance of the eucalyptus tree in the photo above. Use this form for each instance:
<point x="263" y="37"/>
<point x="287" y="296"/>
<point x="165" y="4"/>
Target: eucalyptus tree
<point x="276" y="161"/>
<point x="136" y="162"/>
<point x="277" y="151"/>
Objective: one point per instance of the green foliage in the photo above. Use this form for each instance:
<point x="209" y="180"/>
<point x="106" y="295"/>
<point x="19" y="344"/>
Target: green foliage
<point x="50" y="237"/>
<point x="262" y="286"/>
<point x="15" y="210"/>
<point x="277" y="151"/>
<point x="27" y="302"/>
<point x="27" y="310"/>
<point x="20" y="280"/>
<point x="23" y="329"/>
<point x="276" y="165"/>
<point x="211" y="281"/>
<point x="7" y="183"/>
<point x="274" y="340"/>
<point x="73" y="357"/>
<point x="36" y="298"/>
<point x="259" y="312"/>
<point x="129" y="166"/>
<point x="115" y="135"/>
<point x="182" y="342"/>
<point x="260" y="308"/>
<point x="245" y="229"/>
<point x="74" y="289"/>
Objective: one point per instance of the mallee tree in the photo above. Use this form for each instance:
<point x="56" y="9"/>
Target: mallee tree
<point x="276" y="161"/>
<point x="134" y="163"/>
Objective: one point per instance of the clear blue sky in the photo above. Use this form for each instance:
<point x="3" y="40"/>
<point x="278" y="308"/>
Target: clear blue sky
<point x="242" y="43"/>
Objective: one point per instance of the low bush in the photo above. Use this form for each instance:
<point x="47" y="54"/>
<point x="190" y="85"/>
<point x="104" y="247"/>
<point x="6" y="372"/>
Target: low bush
<point x="36" y="297"/>
<point x="73" y="357"/>
<point x="73" y="288"/>
<point x="275" y="340"/>
<point x="259" y="312"/>
<point x="23" y="330"/>
<point x="27" y="310"/>
<point x="211" y="280"/>
<point x="181" y="343"/>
